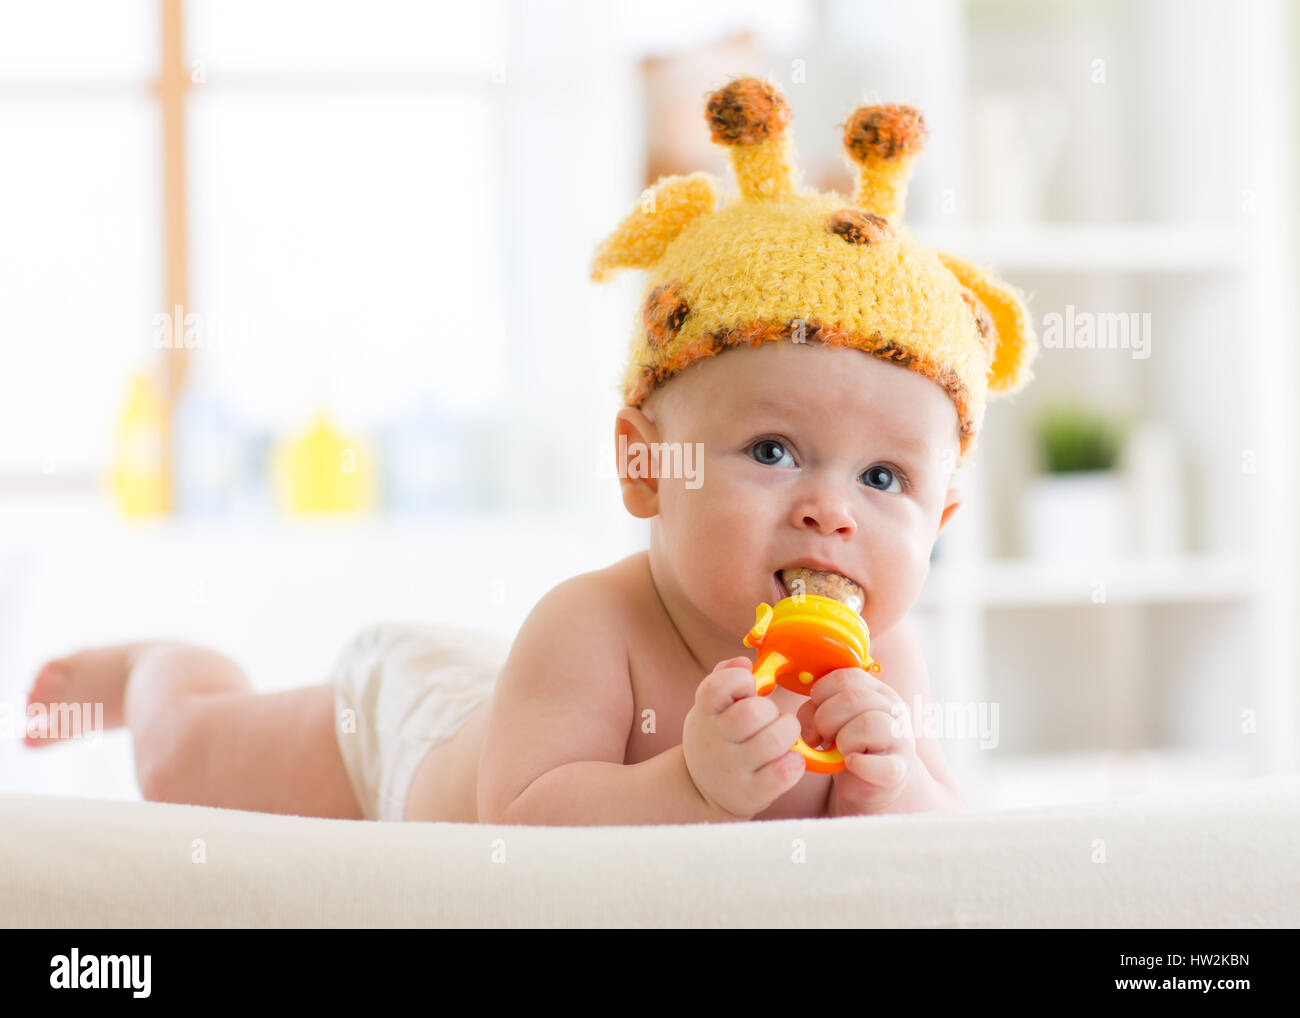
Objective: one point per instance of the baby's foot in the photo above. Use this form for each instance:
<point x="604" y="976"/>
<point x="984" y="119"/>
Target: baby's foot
<point x="63" y="686"/>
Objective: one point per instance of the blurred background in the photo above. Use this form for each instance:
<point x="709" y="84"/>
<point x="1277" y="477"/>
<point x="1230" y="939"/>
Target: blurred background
<point x="297" y="335"/>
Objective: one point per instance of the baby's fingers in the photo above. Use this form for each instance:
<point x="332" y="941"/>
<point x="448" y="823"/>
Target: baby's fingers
<point x="808" y="730"/>
<point x="729" y="681"/>
<point x="747" y="717"/>
<point x="871" y="732"/>
<point x="773" y="742"/>
<point x="884" y="770"/>
<point x="778" y="777"/>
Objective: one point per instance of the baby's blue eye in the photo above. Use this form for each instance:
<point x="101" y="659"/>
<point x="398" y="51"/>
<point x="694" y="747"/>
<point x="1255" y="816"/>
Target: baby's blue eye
<point x="768" y="451"/>
<point x="882" y="478"/>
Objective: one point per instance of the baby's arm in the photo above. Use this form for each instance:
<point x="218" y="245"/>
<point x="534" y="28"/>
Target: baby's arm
<point x="932" y="784"/>
<point x="559" y="724"/>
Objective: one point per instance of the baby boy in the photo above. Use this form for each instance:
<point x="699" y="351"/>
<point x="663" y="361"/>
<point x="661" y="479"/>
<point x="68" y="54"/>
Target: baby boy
<point x="832" y="376"/>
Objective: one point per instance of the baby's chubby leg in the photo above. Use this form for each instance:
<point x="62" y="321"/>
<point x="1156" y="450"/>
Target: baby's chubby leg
<point x="200" y="733"/>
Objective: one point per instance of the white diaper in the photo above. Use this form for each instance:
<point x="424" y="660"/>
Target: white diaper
<point x="400" y="688"/>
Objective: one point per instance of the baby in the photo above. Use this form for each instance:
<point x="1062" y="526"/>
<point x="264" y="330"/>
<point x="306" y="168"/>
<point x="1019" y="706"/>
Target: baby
<point x="832" y="375"/>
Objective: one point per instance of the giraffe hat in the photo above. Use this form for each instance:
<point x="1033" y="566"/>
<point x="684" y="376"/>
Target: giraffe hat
<point x="779" y="263"/>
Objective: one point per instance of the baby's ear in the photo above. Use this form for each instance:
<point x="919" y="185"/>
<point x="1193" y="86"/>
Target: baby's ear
<point x="666" y="210"/>
<point x="1015" y="343"/>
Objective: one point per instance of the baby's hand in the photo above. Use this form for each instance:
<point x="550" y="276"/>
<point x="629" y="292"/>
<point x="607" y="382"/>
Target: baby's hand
<point x="737" y="743"/>
<point x="872" y="727"/>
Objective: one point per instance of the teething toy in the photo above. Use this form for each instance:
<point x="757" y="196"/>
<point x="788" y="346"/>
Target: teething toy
<point x="799" y="640"/>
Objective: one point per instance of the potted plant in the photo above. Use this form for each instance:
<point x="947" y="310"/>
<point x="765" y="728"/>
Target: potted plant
<point x="1077" y="506"/>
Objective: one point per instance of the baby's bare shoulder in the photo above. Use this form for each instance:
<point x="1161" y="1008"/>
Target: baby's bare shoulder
<point x="570" y="654"/>
<point x="601" y="600"/>
<point x="564" y="692"/>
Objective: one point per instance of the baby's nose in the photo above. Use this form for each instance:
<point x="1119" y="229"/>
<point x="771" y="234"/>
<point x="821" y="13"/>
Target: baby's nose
<point x="828" y="518"/>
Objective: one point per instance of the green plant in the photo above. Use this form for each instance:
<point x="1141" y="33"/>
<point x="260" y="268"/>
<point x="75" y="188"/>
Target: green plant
<point x="1073" y="438"/>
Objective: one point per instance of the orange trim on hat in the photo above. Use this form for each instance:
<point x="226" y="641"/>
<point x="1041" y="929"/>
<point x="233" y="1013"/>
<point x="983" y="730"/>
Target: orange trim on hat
<point x="651" y="376"/>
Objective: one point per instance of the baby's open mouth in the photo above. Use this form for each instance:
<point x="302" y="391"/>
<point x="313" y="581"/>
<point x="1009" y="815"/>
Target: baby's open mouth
<point x="800" y="580"/>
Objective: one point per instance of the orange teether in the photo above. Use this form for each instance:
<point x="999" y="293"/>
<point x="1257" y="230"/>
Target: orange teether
<point x="799" y="640"/>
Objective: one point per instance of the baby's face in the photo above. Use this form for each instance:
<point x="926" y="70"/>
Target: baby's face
<point x="811" y="455"/>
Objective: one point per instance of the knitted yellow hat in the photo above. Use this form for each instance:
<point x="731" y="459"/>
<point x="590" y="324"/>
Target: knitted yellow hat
<point x="780" y="263"/>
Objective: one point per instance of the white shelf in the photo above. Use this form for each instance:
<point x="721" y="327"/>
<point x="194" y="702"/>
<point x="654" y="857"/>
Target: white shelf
<point x="1086" y="247"/>
<point x="1029" y="583"/>
<point x="1203" y="266"/>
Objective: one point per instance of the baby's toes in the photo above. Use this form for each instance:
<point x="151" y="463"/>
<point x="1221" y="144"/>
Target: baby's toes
<point x="49" y="687"/>
<point x="51" y="682"/>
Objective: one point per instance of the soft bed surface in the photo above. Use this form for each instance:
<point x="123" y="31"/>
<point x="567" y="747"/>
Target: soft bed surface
<point x="1221" y="856"/>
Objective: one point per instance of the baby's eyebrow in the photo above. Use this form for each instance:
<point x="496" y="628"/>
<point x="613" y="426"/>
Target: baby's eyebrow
<point x="919" y="447"/>
<point x="772" y="403"/>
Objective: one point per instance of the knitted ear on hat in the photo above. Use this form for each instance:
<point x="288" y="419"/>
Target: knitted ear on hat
<point x="666" y="210"/>
<point x="1015" y="344"/>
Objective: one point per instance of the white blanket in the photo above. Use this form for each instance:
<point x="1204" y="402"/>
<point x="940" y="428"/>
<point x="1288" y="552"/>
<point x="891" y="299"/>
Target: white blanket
<point x="1222" y="856"/>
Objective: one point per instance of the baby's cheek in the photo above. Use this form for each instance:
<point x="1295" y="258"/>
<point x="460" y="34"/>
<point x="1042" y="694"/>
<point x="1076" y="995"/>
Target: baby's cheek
<point x="901" y="581"/>
<point x="915" y="564"/>
<point x="704" y="535"/>
<point x="714" y="518"/>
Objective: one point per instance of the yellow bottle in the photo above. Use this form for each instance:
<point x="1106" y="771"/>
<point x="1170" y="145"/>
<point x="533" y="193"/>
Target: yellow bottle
<point x="321" y="471"/>
<point x="139" y="477"/>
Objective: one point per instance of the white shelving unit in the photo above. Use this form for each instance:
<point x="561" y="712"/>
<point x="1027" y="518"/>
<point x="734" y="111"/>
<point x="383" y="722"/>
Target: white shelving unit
<point x="1028" y="584"/>
<point x="1124" y="676"/>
